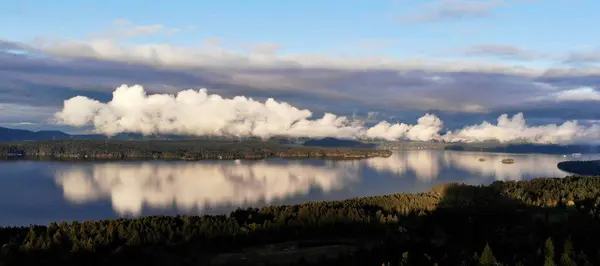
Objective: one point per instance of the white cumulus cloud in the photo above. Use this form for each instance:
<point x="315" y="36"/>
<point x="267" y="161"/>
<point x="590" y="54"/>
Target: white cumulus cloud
<point x="195" y="112"/>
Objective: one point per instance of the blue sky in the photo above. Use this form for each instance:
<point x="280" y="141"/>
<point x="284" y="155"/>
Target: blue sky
<point x="467" y="60"/>
<point x="314" y="26"/>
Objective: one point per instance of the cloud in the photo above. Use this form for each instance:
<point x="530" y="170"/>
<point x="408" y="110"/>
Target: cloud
<point x="269" y="56"/>
<point x="266" y="48"/>
<point x="10" y="112"/>
<point x="454" y="10"/>
<point x="504" y="51"/>
<point x="579" y="94"/>
<point x="457" y="10"/>
<point x="372" y="44"/>
<point x="131" y="110"/>
<point x="45" y="72"/>
<point x="122" y="22"/>
<point x="515" y="129"/>
<point x="10" y="46"/>
<point x="125" y="29"/>
<point x="583" y="57"/>
<point x="22" y="124"/>
<point x="136" y="31"/>
<point x="46" y="80"/>
<point x="372" y="116"/>
<point x="186" y="113"/>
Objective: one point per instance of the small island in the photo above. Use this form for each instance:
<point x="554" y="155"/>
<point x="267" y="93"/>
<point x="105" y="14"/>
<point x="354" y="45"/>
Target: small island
<point x="178" y="150"/>
<point x="508" y="161"/>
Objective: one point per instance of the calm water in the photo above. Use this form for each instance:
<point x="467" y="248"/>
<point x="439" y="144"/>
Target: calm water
<point x="40" y="191"/>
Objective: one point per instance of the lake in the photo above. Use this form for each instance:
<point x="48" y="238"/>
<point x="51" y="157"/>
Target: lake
<point x="40" y="192"/>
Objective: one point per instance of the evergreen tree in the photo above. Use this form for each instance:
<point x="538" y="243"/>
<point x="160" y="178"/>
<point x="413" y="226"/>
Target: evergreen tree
<point x="487" y="257"/>
<point x="565" y="258"/>
<point x="404" y="260"/>
<point x="549" y="253"/>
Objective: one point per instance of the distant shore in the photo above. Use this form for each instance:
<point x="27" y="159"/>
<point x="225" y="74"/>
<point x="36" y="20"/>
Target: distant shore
<point x="580" y="167"/>
<point x="177" y="149"/>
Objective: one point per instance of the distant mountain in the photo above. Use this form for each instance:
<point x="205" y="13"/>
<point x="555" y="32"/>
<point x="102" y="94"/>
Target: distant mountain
<point x="337" y="143"/>
<point x="526" y="148"/>
<point x="11" y="134"/>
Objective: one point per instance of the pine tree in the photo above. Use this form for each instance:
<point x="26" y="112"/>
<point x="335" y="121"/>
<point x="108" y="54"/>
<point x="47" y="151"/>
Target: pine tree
<point x="566" y="257"/>
<point x="487" y="257"/>
<point x="75" y="247"/>
<point x="404" y="260"/>
<point x="549" y="253"/>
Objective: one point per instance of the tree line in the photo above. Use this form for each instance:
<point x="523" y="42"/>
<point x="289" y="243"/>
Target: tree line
<point x="580" y="167"/>
<point x="551" y="221"/>
<point x="175" y="149"/>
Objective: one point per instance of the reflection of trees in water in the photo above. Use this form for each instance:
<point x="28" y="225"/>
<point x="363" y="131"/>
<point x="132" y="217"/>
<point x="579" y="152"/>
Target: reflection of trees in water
<point x="427" y="164"/>
<point x="199" y="185"/>
<point x="196" y="185"/>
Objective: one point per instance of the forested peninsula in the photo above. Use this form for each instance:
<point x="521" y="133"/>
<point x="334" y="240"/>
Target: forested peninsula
<point x="581" y="167"/>
<point x="177" y="149"/>
<point x="552" y="221"/>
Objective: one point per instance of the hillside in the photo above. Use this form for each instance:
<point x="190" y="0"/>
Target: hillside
<point x="524" y="148"/>
<point x="338" y="143"/>
<point x="10" y="134"/>
<point x="546" y="221"/>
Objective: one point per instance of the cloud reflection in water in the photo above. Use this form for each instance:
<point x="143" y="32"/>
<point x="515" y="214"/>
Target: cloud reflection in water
<point x="200" y="185"/>
<point x="428" y="165"/>
<point x="191" y="185"/>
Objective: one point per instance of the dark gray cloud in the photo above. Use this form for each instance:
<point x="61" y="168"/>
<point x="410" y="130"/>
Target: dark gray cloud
<point x="32" y="87"/>
<point x="584" y="57"/>
<point x="7" y="46"/>
<point x="504" y="51"/>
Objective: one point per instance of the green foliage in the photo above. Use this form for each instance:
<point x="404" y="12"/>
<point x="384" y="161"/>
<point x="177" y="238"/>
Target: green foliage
<point x="566" y="256"/>
<point x="405" y="259"/>
<point x="446" y="226"/>
<point x="487" y="257"/>
<point x="549" y="253"/>
<point x="171" y="149"/>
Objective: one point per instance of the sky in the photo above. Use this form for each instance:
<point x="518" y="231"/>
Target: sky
<point x="465" y="61"/>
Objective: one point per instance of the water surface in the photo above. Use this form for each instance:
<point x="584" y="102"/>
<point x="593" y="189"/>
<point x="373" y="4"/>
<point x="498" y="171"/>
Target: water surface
<point x="40" y="192"/>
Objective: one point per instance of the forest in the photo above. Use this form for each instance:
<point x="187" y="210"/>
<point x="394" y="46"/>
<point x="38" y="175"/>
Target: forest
<point x="550" y="221"/>
<point x="177" y="149"/>
<point x="581" y="167"/>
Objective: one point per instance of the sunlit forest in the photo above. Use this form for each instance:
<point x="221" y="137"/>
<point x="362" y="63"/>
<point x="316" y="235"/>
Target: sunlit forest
<point x="179" y="149"/>
<point x="546" y="221"/>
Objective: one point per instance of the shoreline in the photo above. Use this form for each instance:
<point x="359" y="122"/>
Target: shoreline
<point x="439" y="196"/>
<point x="443" y="226"/>
<point x="178" y="150"/>
<point x="587" y="168"/>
